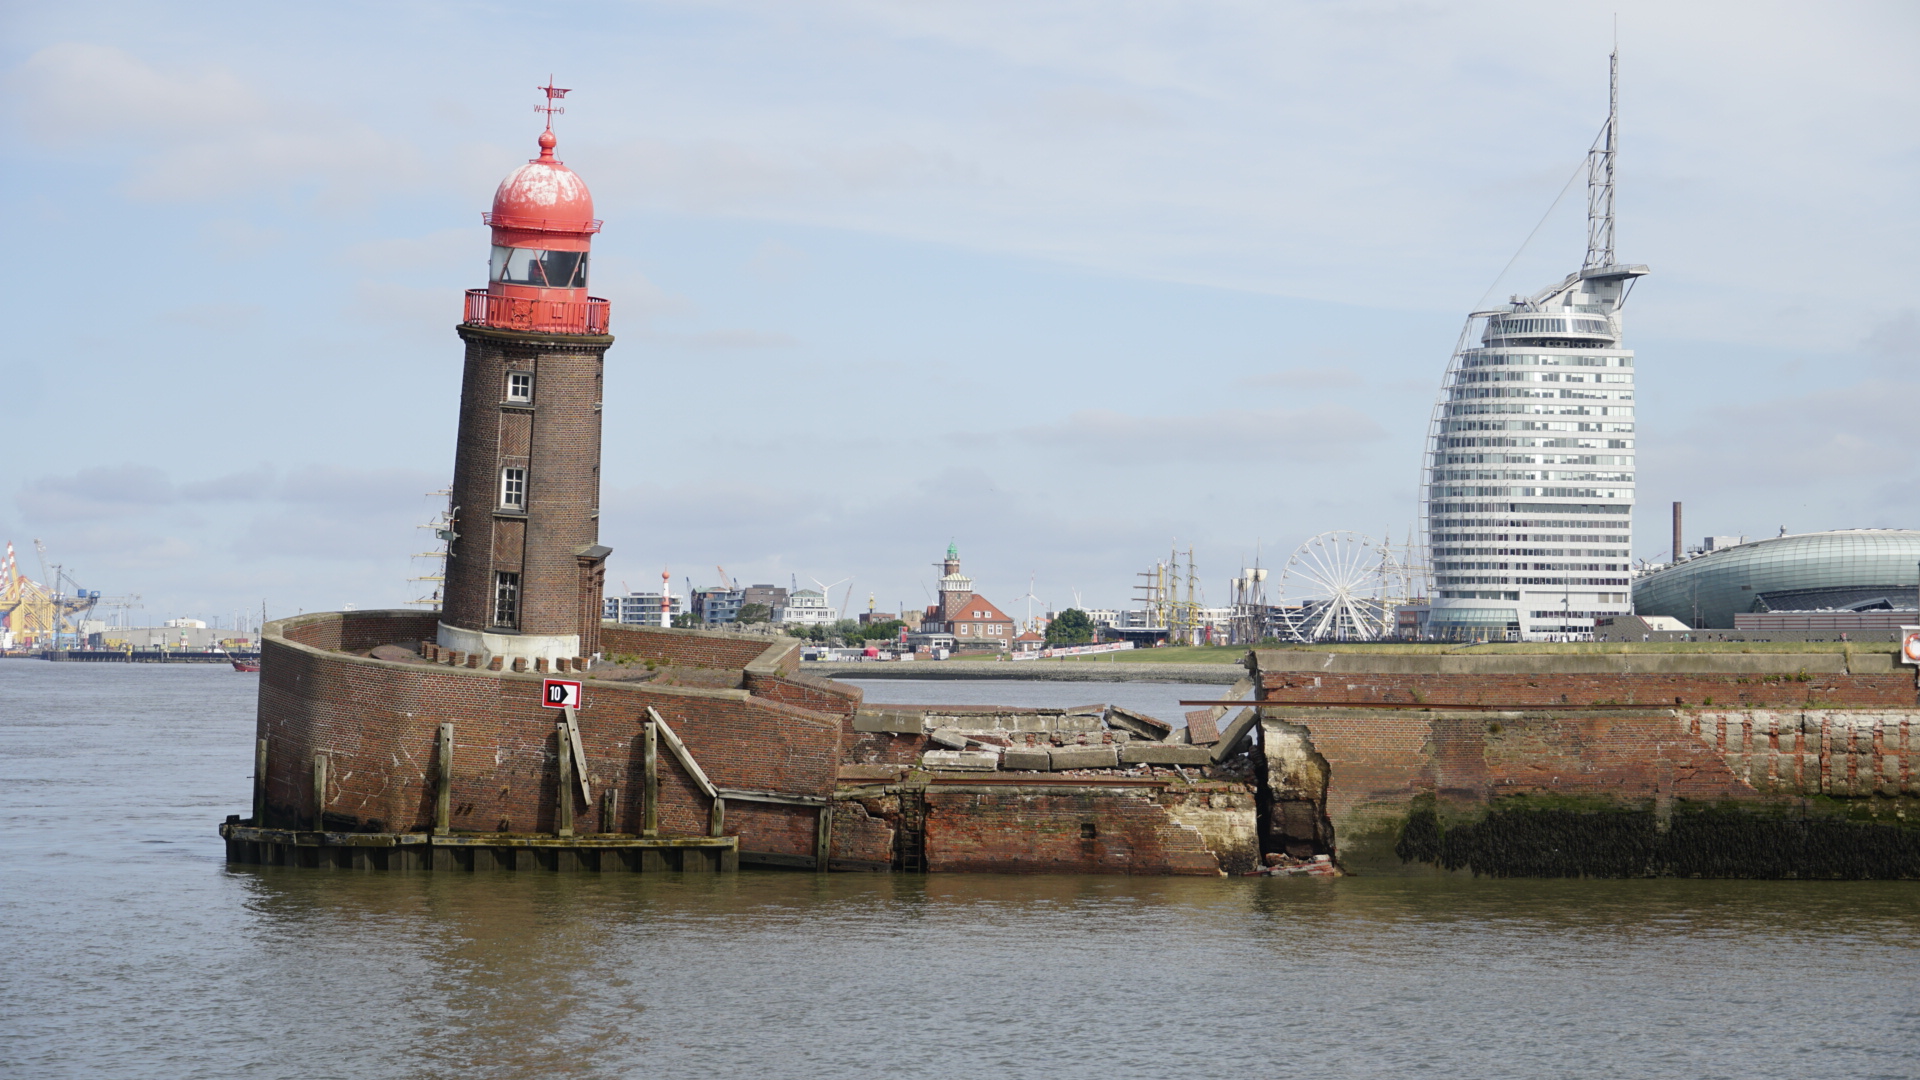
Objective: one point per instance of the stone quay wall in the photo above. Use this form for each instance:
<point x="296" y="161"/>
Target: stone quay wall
<point x="1788" y="773"/>
<point x="376" y="722"/>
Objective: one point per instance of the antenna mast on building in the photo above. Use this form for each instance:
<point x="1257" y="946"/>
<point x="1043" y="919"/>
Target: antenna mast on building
<point x="1600" y="175"/>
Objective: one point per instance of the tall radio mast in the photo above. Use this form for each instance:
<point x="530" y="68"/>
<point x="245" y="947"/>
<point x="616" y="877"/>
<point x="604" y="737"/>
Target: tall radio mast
<point x="1600" y="175"/>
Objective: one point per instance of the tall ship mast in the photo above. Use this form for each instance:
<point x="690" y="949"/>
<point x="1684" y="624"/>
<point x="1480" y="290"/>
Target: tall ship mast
<point x="1528" y="492"/>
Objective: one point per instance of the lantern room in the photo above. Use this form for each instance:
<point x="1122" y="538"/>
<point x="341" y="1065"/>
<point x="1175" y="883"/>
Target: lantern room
<point x="543" y="225"/>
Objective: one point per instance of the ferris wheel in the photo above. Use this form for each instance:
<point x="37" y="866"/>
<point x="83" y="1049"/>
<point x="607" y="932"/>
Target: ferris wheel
<point x="1336" y="587"/>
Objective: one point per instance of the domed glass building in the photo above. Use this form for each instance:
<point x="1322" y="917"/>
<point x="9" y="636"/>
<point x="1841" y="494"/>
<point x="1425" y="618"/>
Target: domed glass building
<point x="1845" y="568"/>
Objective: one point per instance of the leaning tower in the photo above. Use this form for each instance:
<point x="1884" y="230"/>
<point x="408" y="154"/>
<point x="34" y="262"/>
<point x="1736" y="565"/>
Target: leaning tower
<point x="525" y="568"/>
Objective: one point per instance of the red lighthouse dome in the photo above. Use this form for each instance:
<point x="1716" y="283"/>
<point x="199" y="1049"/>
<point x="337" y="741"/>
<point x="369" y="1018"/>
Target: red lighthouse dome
<point x="543" y="226"/>
<point x="543" y="196"/>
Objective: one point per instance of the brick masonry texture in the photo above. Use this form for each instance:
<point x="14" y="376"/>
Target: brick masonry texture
<point x="1379" y="764"/>
<point x="1024" y="832"/>
<point x="701" y="648"/>
<point x="1740" y="737"/>
<point x="376" y="722"/>
<point x="557" y="439"/>
<point x="1622" y="688"/>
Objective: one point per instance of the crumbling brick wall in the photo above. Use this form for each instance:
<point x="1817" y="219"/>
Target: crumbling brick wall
<point x="861" y="841"/>
<point x="806" y="692"/>
<point x="1092" y="831"/>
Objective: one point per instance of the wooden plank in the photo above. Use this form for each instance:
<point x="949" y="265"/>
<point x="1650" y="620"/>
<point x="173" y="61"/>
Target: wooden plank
<point x="743" y="795"/>
<point x="443" y="781"/>
<point x="680" y="754"/>
<point x="610" y="810"/>
<point x="579" y="756"/>
<point x="564" y="749"/>
<point x="650" y="779"/>
<point x="717" y="818"/>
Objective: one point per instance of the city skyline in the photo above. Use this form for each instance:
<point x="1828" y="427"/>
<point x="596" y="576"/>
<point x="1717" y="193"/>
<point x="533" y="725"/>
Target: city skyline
<point x="1186" y="278"/>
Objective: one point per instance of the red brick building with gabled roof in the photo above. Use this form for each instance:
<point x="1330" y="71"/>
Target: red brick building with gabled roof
<point x="970" y="618"/>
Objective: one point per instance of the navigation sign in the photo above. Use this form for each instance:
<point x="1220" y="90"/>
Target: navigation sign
<point x="1910" y="644"/>
<point x="560" y="694"/>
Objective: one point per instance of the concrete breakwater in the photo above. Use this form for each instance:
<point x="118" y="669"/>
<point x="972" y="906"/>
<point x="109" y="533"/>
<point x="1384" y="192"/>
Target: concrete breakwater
<point x="716" y="748"/>
<point x="1038" y="670"/>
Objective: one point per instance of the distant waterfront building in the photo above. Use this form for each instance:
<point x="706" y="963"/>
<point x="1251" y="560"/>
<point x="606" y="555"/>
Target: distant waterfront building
<point x="970" y="618"/>
<point x="1845" y="569"/>
<point x="716" y="606"/>
<point x="805" y="607"/>
<point x="643" y="609"/>
<point x="1528" y="501"/>
<point x="772" y="597"/>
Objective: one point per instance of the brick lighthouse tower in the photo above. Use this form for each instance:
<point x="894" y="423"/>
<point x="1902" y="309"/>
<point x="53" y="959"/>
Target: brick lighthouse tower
<point x="525" y="569"/>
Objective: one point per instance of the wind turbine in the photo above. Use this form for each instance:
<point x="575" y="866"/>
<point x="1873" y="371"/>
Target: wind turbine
<point x="1029" y="598"/>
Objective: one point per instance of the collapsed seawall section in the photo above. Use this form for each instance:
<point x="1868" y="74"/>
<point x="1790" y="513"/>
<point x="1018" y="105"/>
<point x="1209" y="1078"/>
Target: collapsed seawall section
<point x="1480" y="765"/>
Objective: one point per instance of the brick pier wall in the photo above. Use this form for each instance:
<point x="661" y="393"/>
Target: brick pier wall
<point x="1043" y="831"/>
<point x="376" y="722"/>
<point x="1762" y="756"/>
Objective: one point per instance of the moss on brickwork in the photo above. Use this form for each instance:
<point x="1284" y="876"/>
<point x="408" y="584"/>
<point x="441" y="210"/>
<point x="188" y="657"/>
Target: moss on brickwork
<point x="1528" y="838"/>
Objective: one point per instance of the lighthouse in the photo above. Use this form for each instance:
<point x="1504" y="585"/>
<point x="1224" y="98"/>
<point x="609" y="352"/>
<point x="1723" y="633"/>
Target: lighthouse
<point x="525" y="567"/>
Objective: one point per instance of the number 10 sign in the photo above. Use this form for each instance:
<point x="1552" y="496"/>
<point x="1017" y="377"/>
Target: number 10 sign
<point x="560" y="694"/>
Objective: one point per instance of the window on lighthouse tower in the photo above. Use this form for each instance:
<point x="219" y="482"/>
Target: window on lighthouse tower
<point x="519" y="386"/>
<point x="513" y="488"/>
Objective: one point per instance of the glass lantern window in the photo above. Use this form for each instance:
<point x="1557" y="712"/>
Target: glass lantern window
<point x="544" y="269"/>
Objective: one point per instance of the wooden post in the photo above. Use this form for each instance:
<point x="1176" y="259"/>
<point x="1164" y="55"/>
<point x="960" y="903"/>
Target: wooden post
<point x="650" y="780"/>
<point x="319" y="792"/>
<point x="823" y="838"/>
<point x="717" y="818"/>
<point x="260" y="783"/>
<point x="561" y="745"/>
<point x="443" y="781"/>
<point x="609" y="810"/>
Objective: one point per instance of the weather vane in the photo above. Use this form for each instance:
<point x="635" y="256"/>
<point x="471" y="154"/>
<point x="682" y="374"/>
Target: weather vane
<point x="554" y="93"/>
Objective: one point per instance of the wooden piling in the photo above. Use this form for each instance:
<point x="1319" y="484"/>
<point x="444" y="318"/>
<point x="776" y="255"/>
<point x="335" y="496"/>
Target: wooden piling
<point x="610" y="810"/>
<point x="561" y="745"/>
<point x="319" y="792"/>
<point x="443" y="781"/>
<point x="823" y="838"/>
<point x="650" y="780"/>
<point x="259" y="783"/>
<point x="717" y="818"/>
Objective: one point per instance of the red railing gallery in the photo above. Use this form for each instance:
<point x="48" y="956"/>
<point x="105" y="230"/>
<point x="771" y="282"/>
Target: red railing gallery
<point x="537" y="316"/>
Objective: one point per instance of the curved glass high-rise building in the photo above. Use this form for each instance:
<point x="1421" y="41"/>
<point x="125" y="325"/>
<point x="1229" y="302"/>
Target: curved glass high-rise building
<point x="1529" y="474"/>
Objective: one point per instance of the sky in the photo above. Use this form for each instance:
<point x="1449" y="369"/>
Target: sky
<point x="1067" y="284"/>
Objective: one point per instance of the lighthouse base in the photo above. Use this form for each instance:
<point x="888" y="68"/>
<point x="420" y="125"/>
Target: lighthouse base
<point x="549" y="647"/>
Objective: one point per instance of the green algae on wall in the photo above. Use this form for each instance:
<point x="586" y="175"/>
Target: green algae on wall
<point x="1515" y="839"/>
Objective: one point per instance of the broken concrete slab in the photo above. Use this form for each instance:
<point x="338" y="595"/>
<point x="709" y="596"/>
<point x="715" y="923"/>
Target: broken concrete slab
<point x="1164" y="754"/>
<point x="896" y="721"/>
<point x="1087" y="710"/>
<point x="1235" y="734"/>
<point x="1085" y="757"/>
<point x="949" y="738"/>
<point x="969" y="760"/>
<point x="1140" y="724"/>
<point x="1026" y="760"/>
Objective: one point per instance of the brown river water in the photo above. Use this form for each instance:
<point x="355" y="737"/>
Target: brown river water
<point x="129" y="949"/>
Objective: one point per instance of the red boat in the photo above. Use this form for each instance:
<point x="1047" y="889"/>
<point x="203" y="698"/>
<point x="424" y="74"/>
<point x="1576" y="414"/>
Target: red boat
<point x="246" y="665"/>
